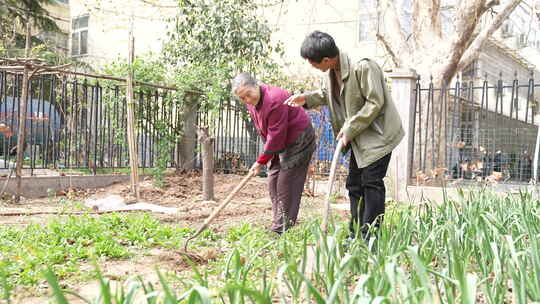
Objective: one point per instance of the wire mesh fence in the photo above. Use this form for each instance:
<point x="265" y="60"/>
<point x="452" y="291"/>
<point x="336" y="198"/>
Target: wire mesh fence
<point x="74" y="124"/>
<point x="475" y="131"/>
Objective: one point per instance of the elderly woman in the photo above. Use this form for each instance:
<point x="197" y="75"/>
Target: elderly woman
<point x="289" y="142"/>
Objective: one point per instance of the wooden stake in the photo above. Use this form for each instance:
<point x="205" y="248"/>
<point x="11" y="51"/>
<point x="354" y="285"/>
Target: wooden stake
<point x="132" y="132"/>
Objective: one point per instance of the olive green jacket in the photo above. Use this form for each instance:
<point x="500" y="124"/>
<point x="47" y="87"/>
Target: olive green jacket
<point x="370" y="119"/>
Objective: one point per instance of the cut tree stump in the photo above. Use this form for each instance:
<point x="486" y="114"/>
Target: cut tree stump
<point x="207" y="144"/>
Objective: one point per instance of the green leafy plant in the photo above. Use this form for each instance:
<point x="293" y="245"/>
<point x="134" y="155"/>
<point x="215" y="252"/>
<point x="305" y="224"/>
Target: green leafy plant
<point x="63" y="244"/>
<point x="483" y="247"/>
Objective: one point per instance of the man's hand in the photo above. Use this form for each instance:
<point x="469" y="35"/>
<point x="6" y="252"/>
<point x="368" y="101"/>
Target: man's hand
<point x="343" y="138"/>
<point x="255" y="168"/>
<point x="296" y="100"/>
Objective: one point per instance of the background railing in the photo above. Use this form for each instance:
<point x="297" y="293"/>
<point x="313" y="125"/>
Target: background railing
<point x="477" y="130"/>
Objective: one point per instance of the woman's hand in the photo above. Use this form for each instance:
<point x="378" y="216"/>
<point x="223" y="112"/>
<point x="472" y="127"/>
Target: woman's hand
<point x="255" y="168"/>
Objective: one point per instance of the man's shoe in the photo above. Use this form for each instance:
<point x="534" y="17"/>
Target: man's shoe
<point x="347" y="243"/>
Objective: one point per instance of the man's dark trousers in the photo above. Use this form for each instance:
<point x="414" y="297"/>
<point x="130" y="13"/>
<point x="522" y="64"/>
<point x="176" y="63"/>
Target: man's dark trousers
<point x="367" y="194"/>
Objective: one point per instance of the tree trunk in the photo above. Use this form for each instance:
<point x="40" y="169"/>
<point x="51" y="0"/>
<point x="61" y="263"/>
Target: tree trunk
<point x="207" y="145"/>
<point x="185" y="147"/>
<point x="252" y="131"/>
<point x="22" y="113"/>
<point x="431" y="53"/>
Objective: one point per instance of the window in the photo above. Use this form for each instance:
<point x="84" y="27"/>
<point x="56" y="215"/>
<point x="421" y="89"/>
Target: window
<point x="534" y="38"/>
<point x="367" y="5"/>
<point x="470" y="71"/>
<point x="366" y="28"/>
<point x="523" y="40"/>
<point x="79" y="36"/>
<point x="506" y="30"/>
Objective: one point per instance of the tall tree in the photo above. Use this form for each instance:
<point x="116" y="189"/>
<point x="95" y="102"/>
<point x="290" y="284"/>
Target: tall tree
<point x="426" y="48"/>
<point x="28" y="12"/>
<point x="15" y="15"/>
<point x="208" y="42"/>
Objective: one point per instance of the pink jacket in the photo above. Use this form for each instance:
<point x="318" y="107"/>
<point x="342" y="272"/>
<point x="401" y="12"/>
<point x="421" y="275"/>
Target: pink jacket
<point x="278" y="124"/>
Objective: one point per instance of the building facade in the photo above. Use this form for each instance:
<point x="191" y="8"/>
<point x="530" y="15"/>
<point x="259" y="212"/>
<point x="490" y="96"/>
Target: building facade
<point x="100" y="28"/>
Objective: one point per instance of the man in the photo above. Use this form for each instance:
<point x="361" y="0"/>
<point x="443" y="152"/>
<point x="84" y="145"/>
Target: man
<point x="289" y="142"/>
<point x="364" y="118"/>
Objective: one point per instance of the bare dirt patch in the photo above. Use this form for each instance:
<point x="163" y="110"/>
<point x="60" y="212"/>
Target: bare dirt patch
<point x="181" y="191"/>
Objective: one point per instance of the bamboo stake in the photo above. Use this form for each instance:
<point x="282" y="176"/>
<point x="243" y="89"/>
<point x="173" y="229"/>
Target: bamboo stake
<point x="132" y="135"/>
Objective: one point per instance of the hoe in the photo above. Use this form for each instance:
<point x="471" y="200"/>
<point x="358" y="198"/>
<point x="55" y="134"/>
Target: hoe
<point x="195" y="257"/>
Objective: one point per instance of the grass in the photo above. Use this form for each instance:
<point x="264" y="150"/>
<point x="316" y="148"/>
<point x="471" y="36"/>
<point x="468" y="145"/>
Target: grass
<point x="64" y="243"/>
<point x="481" y="249"/>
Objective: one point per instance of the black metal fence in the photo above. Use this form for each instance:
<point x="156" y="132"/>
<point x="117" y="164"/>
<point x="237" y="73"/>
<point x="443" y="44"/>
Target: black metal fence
<point x="79" y="125"/>
<point x="475" y="131"/>
<point x="237" y="143"/>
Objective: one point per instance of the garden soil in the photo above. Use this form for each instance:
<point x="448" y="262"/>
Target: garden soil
<point x="182" y="191"/>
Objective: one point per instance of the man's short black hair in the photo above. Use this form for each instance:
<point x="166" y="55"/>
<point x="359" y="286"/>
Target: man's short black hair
<point x="318" y="45"/>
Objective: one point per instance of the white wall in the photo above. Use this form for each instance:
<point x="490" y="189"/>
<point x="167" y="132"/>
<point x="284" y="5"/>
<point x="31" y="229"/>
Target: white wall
<point x="109" y="26"/>
<point x="292" y="20"/>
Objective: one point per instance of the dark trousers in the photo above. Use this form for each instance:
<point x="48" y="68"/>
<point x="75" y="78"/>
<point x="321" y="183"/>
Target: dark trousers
<point x="285" y="187"/>
<point x="367" y="194"/>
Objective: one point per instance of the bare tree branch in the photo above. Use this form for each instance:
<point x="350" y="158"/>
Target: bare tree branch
<point x="158" y="4"/>
<point x="472" y="52"/>
<point x="426" y="23"/>
<point x="467" y="18"/>
<point x="436" y="16"/>
<point x="489" y="5"/>
<point x="395" y="34"/>
<point x="395" y="59"/>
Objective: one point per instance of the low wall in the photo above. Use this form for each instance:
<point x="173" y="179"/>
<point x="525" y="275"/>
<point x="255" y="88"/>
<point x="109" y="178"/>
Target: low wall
<point x="41" y="186"/>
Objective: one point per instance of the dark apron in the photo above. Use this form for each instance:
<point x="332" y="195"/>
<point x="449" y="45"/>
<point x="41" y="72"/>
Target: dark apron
<point x="299" y="152"/>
